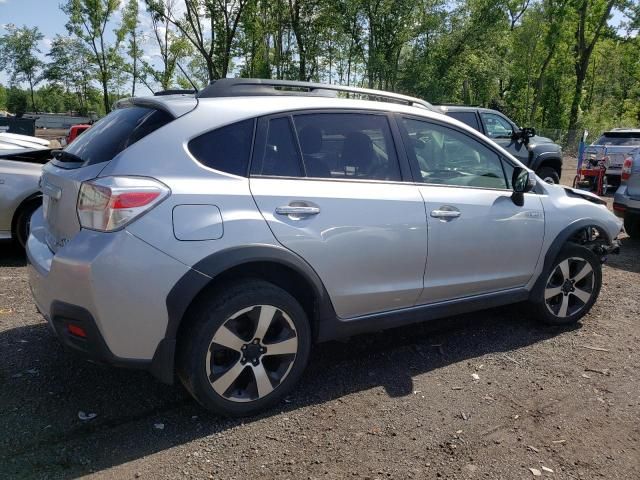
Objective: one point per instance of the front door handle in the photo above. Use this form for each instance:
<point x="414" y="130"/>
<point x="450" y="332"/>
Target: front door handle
<point x="297" y="210"/>
<point x="446" y="213"/>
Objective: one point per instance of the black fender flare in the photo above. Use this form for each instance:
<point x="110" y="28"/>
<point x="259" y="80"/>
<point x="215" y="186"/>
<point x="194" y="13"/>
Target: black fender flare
<point x="545" y="157"/>
<point x="189" y="286"/>
<point x="561" y="239"/>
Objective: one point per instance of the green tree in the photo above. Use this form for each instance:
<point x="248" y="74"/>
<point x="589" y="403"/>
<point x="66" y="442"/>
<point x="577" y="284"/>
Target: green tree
<point x="17" y="100"/>
<point x="172" y="47"/>
<point x="131" y="32"/>
<point x="211" y="26"/>
<point x="88" y="20"/>
<point x="19" y="56"/>
<point x="70" y="66"/>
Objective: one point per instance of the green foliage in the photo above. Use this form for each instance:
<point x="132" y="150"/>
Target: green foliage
<point x="88" y="21"/>
<point x="3" y="97"/>
<point x="17" y="101"/>
<point x="19" y="56"/>
<point x="554" y="64"/>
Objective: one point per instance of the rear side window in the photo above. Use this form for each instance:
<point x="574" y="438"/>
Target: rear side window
<point x="470" y="118"/>
<point x="226" y="149"/>
<point x="115" y="132"/>
<point x="350" y="146"/>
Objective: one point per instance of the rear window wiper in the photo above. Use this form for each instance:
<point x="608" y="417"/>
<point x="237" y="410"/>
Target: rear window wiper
<point x="64" y="156"/>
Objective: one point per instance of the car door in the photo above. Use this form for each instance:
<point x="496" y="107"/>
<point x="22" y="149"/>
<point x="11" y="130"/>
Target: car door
<point x="479" y="241"/>
<point x="332" y="190"/>
<point x="501" y="131"/>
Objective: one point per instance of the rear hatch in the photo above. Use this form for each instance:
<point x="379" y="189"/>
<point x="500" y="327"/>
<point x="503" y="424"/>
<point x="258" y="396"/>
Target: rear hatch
<point x="84" y="159"/>
<point x="616" y="146"/>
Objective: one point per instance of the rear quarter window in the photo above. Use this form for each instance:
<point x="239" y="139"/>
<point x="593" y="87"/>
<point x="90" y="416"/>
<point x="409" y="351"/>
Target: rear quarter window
<point x="115" y="132"/>
<point x="226" y="149"/>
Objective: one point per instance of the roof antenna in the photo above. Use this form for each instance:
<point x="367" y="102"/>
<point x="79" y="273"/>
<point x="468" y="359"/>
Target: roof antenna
<point x="187" y="76"/>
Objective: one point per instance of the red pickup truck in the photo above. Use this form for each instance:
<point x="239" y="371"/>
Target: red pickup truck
<point x="74" y="132"/>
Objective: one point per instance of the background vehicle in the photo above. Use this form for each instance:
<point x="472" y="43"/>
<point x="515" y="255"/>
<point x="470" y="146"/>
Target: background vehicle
<point x="20" y="196"/>
<point x="219" y="235"/>
<point x="626" y="202"/>
<point x="14" y="142"/>
<point x="538" y="153"/>
<point x="614" y="147"/>
<point x="74" y="132"/>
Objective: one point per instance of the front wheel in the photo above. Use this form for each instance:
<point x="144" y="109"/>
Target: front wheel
<point x="571" y="286"/>
<point x="632" y="225"/>
<point x="549" y="175"/>
<point x="23" y="222"/>
<point x="244" y="349"/>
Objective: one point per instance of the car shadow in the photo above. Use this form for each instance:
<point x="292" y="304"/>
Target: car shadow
<point x="44" y="387"/>
<point x="11" y="255"/>
<point x="629" y="257"/>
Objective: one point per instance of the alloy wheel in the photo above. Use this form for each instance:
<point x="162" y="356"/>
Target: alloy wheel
<point x="251" y="353"/>
<point x="569" y="287"/>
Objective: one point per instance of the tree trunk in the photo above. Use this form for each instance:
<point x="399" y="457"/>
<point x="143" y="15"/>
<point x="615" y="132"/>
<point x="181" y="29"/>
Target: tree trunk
<point x="33" y="101"/>
<point x="537" y="89"/>
<point x="105" y="93"/>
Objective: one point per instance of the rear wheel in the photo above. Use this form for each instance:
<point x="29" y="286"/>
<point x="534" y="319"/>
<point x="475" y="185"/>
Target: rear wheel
<point x="632" y="225"/>
<point x="548" y="174"/>
<point x="23" y="222"/>
<point x="571" y="286"/>
<point x="245" y="348"/>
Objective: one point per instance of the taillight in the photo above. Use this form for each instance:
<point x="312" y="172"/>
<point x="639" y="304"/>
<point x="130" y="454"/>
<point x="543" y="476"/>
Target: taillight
<point x="626" y="168"/>
<point x="110" y="203"/>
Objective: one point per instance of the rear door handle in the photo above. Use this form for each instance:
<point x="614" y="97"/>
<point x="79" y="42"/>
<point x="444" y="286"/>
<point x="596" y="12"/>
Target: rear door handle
<point x="445" y="213"/>
<point x="297" y="210"/>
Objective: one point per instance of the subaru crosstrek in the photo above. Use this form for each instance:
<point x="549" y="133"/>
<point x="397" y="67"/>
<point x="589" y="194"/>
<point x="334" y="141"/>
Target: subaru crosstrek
<point x="216" y="236"/>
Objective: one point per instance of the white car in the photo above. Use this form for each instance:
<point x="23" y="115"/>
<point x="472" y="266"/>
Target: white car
<point x="21" y="160"/>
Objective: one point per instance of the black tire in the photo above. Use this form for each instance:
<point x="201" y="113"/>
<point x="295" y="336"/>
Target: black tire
<point x="23" y="220"/>
<point x="206" y="321"/>
<point x="548" y="174"/>
<point x="548" y="305"/>
<point x="632" y="225"/>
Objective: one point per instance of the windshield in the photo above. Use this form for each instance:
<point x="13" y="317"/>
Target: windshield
<point x="113" y="133"/>
<point x="620" y="139"/>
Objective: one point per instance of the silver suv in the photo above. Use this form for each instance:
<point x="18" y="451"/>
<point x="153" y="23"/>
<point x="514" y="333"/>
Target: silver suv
<point x="216" y="236"/>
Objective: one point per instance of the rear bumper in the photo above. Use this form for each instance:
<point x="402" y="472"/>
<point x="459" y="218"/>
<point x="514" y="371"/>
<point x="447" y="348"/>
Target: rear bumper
<point x="623" y="204"/>
<point x="114" y="287"/>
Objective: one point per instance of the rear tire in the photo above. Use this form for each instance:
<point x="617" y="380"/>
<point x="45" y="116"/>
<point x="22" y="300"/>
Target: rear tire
<point x="549" y="175"/>
<point x="244" y="348"/>
<point x="23" y="222"/>
<point x="632" y="225"/>
<point x="570" y="287"/>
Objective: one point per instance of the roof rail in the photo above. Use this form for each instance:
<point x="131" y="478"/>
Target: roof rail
<point x="176" y="91"/>
<point x="243" y="87"/>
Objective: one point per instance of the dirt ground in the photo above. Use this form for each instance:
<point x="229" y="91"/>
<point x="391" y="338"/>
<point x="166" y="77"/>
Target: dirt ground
<point x="394" y="405"/>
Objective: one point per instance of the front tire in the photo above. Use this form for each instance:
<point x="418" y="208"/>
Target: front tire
<point x="23" y="222"/>
<point x="632" y="225"/>
<point x="571" y="286"/>
<point x="549" y="175"/>
<point x="244" y="348"/>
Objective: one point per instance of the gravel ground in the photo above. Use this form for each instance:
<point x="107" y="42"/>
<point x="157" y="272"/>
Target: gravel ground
<point x="399" y="404"/>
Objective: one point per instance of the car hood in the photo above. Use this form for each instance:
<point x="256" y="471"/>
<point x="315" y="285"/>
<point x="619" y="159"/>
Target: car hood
<point x="539" y="139"/>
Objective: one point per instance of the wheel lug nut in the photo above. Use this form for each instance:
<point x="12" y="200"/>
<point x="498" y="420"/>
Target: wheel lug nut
<point x="244" y="347"/>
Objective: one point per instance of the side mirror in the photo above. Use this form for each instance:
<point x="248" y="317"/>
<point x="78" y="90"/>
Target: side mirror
<point x="522" y="182"/>
<point x="527" y="132"/>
